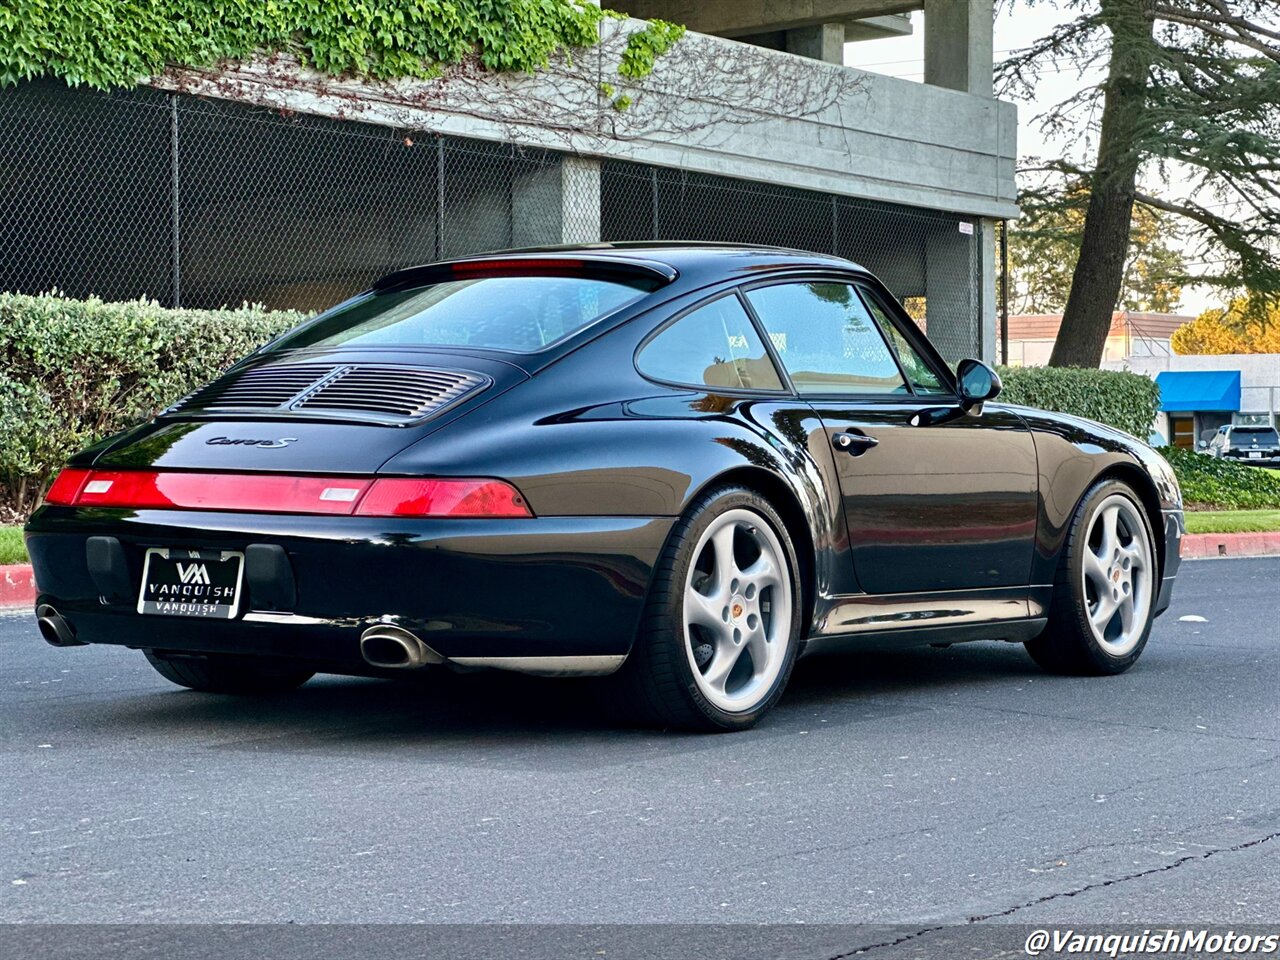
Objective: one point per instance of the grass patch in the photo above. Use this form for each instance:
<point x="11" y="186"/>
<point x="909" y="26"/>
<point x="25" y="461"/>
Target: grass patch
<point x="12" y="549"/>
<point x="1233" y="521"/>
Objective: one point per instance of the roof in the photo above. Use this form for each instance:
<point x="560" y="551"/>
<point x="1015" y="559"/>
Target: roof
<point x="1195" y="390"/>
<point x="673" y="258"/>
<point x="677" y="252"/>
<point x="1044" y="326"/>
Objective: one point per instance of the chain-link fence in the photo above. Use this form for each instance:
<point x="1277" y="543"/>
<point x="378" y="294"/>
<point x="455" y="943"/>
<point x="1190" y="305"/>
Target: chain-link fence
<point x="203" y="202"/>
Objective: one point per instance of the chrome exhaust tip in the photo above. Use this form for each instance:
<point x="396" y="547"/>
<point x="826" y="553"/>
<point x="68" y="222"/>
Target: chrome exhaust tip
<point x="55" y="629"/>
<point x="395" y="648"/>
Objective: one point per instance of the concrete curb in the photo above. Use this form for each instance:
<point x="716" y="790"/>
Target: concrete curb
<point x="17" y="585"/>
<point x="1202" y="546"/>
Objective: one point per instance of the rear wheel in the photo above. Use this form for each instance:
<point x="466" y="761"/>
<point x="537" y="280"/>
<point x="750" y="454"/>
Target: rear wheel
<point x="1105" y="590"/>
<point x="214" y="673"/>
<point x="722" y="624"/>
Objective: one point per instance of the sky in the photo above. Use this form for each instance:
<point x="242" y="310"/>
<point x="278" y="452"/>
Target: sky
<point x="904" y="57"/>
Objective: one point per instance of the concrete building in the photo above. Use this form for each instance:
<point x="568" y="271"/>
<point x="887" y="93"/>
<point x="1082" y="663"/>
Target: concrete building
<point x="267" y="181"/>
<point x="1200" y="393"/>
<point x="1132" y="335"/>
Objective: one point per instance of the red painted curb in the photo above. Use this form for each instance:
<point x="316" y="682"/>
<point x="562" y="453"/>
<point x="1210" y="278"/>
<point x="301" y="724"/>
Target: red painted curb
<point x="17" y="585"/>
<point x="1201" y="546"/>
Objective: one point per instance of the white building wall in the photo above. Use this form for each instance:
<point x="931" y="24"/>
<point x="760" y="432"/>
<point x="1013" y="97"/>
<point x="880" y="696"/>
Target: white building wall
<point x="1259" y="375"/>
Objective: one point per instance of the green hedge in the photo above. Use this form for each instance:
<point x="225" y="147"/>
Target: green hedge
<point x="1220" y="484"/>
<point x="74" y="371"/>
<point x="1127" y="401"/>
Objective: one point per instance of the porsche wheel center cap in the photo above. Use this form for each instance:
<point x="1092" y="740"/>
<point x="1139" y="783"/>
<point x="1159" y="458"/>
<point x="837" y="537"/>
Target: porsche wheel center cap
<point x="737" y="607"/>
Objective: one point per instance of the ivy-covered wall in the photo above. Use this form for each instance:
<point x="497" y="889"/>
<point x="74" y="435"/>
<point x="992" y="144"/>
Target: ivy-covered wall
<point x="117" y="43"/>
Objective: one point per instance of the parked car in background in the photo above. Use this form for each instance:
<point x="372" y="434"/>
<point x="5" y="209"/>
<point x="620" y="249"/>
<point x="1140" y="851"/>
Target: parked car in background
<point x="1250" y="444"/>
<point x="681" y="465"/>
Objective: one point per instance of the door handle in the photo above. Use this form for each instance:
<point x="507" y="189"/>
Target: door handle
<point x="853" y="443"/>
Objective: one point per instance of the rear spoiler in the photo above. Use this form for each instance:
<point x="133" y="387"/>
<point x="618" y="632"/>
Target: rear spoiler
<point x="523" y="265"/>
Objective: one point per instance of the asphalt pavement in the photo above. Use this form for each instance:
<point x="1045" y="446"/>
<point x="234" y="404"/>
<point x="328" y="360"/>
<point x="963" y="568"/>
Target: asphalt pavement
<point x="918" y="788"/>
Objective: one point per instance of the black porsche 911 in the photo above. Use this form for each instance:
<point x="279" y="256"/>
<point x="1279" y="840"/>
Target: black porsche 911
<point x="683" y="466"/>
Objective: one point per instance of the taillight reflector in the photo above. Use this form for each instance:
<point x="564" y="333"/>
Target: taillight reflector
<point x="277" y="493"/>
<point x="443" y="498"/>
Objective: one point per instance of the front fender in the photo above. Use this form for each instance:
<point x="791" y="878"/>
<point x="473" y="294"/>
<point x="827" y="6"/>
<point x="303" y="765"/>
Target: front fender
<point x="1074" y="453"/>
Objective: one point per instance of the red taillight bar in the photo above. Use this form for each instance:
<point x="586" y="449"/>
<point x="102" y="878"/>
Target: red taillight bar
<point x="280" y="493"/>
<point x="254" y="493"/>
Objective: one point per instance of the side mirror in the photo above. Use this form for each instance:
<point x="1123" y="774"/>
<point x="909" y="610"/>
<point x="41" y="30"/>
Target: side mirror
<point x="977" y="382"/>
<point x="1204" y="444"/>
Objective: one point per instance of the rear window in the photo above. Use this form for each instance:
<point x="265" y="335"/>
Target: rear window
<point x="518" y="313"/>
<point x="1255" y="435"/>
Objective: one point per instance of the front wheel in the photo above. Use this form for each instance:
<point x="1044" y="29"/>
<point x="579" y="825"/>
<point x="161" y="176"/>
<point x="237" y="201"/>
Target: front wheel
<point x="722" y="623"/>
<point x="213" y="673"/>
<point x="1105" y="590"/>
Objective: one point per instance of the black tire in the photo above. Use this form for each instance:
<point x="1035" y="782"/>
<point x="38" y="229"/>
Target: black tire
<point x="214" y="673"/>
<point x="1068" y="644"/>
<point x="656" y="685"/>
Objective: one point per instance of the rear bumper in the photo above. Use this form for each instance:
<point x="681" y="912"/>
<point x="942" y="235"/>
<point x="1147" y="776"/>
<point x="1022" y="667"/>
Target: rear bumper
<point x="1175" y="527"/>
<point x="473" y="590"/>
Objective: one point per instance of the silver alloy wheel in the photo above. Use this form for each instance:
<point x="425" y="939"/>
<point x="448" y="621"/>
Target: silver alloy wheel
<point x="737" y="611"/>
<point x="1119" y="575"/>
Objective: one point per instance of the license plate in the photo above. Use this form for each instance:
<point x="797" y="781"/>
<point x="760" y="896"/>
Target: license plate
<point x="1255" y="454"/>
<point x="177" y="582"/>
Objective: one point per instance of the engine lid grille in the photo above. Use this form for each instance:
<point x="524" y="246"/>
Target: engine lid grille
<point x="406" y="393"/>
<point x="259" y="388"/>
<point x="378" y="393"/>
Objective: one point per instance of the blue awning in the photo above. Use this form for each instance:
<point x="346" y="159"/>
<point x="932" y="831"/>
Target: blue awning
<point x="1183" y="390"/>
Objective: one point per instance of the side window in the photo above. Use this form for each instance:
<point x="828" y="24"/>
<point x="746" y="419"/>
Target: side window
<point x="826" y="338"/>
<point x="922" y="378"/>
<point x="716" y="346"/>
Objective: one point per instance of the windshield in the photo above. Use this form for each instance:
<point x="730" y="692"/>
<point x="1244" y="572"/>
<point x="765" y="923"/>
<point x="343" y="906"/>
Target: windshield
<point x="520" y="313"/>
<point x="1258" y="435"/>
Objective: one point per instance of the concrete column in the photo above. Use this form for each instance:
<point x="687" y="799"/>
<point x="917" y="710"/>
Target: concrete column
<point x="988" y="295"/>
<point x="959" y="45"/>
<point x="823" y="42"/>
<point x="580" y="199"/>
<point x="559" y="203"/>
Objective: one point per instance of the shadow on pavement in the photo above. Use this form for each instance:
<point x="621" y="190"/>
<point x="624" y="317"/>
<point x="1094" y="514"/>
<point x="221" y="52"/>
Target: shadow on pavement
<point x="441" y="710"/>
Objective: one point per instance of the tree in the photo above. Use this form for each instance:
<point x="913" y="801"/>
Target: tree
<point x="1191" y="96"/>
<point x="1236" y="329"/>
<point x="1045" y="244"/>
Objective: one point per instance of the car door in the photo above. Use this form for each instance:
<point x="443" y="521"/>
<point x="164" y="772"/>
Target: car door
<point x="936" y="497"/>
